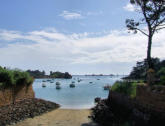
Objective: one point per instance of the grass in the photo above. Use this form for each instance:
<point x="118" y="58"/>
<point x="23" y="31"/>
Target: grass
<point x="127" y="88"/>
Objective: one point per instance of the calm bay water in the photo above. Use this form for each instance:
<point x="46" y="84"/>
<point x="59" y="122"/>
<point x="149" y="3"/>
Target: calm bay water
<point x="80" y="97"/>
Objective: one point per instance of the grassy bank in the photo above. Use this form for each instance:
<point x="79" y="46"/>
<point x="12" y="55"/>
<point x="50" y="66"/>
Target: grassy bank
<point x="126" y="87"/>
<point x="10" y="78"/>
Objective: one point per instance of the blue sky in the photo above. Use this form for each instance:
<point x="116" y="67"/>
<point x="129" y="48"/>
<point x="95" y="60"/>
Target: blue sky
<point x="79" y="36"/>
<point x="37" y="14"/>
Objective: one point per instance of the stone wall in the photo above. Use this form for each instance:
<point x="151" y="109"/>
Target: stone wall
<point x="151" y="97"/>
<point x="21" y="92"/>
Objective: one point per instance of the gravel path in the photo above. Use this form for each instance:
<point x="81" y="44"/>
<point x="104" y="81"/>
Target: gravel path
<point x="60" y="117"/>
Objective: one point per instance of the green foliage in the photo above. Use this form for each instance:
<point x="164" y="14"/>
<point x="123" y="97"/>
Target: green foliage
<point x="124" y="87"/>
<point x="37" y="73"/>
<point x="162" y="80"/>
<point x="161" y="75"/>
<point x="57" y="74"/>
<point x="140" y="70"/>
<point x="9" y="78"/>
<point x="41" y="74"/>
<point x="161" y="72"/>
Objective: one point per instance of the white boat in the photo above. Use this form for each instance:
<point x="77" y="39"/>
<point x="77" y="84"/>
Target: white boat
<point x="43" y="85"/>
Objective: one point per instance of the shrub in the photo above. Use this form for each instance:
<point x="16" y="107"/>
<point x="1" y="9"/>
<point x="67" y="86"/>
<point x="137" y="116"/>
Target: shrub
<point x="161" y="72"/>
<point x="161" y="75"/>
<point x="127" y="88"/>
<point x="162" y="80"/>
<point x="9" y="78"/>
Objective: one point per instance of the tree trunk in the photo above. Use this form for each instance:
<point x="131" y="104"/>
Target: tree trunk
<point x="150" y="71"/>
<point x="149" y="60"/>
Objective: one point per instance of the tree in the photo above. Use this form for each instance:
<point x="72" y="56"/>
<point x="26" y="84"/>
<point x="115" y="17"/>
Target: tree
<point x="140" y="70"/>
<point x="153" y="12"/>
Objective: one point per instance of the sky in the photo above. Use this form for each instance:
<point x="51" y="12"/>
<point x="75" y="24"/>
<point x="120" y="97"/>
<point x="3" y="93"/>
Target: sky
<point x="77" y="36"/>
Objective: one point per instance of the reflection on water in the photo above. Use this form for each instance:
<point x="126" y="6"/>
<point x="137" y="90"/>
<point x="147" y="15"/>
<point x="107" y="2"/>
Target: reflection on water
<point x="80" y="97"/>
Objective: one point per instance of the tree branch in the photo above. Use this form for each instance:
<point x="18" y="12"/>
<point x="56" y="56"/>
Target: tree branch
<point x="142" y="32"/>
<point x="160" y="28"/>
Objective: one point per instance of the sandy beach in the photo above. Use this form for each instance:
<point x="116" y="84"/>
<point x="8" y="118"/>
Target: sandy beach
<point x="60" y="117"/>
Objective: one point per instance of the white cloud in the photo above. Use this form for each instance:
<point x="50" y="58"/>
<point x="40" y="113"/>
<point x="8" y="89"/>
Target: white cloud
<point x="52" y="48"/>
<point x="130" y="7"/>
<point x="71" y="15"/>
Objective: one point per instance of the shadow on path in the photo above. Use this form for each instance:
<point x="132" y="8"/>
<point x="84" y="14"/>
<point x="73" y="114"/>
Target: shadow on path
<point x="90" y="124"/>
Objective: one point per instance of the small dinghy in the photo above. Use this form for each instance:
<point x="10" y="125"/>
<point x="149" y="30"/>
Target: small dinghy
<point x="58" y="87"/>
<point x="57" y="83"/>
<point x="72" y="85"/>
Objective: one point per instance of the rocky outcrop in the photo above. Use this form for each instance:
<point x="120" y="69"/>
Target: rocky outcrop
<point x="21" y="110"/>
<point x="120" y="109"/>
<point x="19" y="93"/>
<point x="151" y="96"/>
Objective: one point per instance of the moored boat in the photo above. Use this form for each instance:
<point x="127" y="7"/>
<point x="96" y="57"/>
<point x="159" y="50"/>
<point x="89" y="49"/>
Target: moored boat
<point x="43" y="85"/>
<point x="58" y="87"/>
<point x="72" y="85"/>
<point x="57" y="83"/>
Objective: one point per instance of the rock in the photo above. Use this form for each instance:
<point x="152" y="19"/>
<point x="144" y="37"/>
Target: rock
<point x="27" y="108"/>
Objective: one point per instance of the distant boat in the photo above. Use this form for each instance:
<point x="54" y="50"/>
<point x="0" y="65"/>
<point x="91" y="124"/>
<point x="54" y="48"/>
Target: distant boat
<point x="51" y="82"/>
<point x="107" y="87"/>
<point x="43" y="80"/>
<point x="57" y="83"/>
<point x="48" y="80"/>
<point x="98" y="79"/>
<point x="90" y="82"/>
<point x="72" y="85"/>
<point x="58" y="87"/>
<point x="73" y="82"/>
<point x="43" y="85"/>
<point x="79" y="80"/>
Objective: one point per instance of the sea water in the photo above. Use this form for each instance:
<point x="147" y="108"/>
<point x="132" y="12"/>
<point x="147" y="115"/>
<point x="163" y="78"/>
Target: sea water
<point x="80" y="97"/>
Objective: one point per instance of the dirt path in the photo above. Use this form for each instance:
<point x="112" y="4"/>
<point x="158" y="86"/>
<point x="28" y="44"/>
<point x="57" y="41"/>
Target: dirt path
<point x="60" y="117"/>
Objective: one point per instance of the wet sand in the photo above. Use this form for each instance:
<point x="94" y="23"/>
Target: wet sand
<point x="60" y="117"/>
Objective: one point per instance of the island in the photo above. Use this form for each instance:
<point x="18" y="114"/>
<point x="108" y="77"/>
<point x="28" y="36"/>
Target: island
<point x="42" y="74"/>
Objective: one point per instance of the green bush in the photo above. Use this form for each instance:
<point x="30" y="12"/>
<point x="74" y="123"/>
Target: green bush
<point x="127" y="88"/>
<point x="162" y="80"/>
<point x="161" y="72"/>
<point x="161" y="76"/>
<point x="9" y="78"/>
